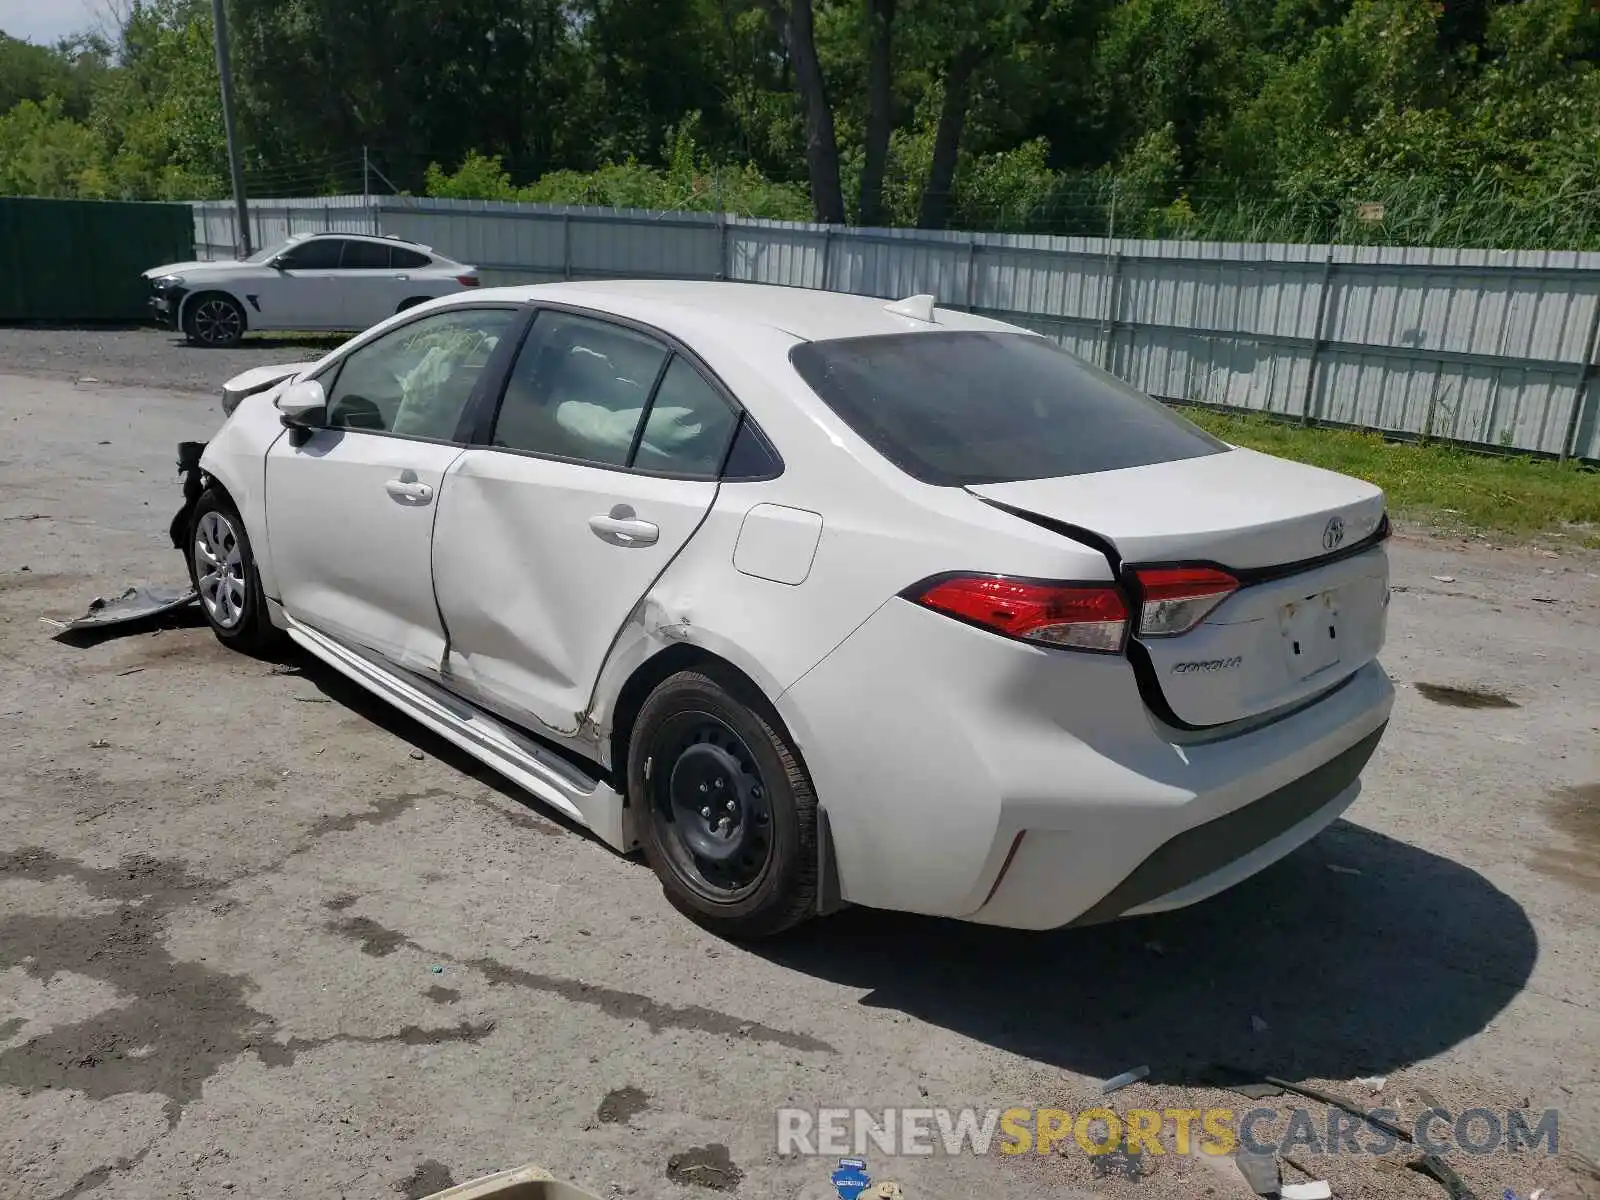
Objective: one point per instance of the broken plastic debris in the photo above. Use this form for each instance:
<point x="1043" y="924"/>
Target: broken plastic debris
<point x="1260" y="1171"/>
<point x="1257" y="1024"/>
<point x="135" y="604"/>
<point x="1373" y="1083"/>
<point x="1445" y="578"/>
<point x="437" y="970"/>
<point x="1317" y="1189"/>
<point x="1123" y="1080"/>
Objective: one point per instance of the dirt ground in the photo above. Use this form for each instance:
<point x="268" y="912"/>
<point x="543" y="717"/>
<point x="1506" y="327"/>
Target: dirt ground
<point x="260" y="937"/>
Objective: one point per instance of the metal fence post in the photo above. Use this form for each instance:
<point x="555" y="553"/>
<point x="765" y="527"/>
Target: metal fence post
<point x="1581" y="390"/>
<point x="827" y="255"/>
<point x="566" y="245"/>
<point x="722" y="245"/>
<point x="1113" y="279"/>
<point x="972" y="270"/>
<point x="1317" y="338"/>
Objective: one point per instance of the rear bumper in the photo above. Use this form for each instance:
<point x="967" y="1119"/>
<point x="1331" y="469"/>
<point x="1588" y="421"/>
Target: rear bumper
<point x="1207" y="859"/>
<point x="969" y="776"/>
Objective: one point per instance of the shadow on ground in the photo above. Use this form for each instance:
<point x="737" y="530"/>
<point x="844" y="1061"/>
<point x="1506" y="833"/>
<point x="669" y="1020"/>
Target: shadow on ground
<point x="321" y="343"/>
<point x="391" y="720"/>
<point x="1353" y="974"/>
<point x="1397" y="956"/>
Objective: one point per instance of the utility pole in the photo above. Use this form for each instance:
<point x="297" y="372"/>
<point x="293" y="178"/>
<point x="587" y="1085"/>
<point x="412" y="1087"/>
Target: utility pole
<point x="366" y="189"/>
<point x="219" y="22"/>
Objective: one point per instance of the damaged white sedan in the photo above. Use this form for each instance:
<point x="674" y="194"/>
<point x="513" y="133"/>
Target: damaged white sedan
<point x="818" y="600"/>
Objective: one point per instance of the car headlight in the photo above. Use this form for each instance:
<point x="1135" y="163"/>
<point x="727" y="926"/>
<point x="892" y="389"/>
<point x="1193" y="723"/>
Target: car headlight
<point x="169" y="280"/>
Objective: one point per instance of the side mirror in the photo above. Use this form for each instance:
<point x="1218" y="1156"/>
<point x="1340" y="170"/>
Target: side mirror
<point x="303" y="404"/>
<point x="277" y="263"/>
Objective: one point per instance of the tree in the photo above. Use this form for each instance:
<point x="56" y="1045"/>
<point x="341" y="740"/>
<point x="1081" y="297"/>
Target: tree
<point x="880" y="108"/>
<point x="794" y="22"/>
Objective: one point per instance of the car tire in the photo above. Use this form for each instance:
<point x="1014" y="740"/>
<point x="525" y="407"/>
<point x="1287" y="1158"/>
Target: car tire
<point x="222" y="568"/>
<point x="728" y="816"/>
<point x="214" y="320"/>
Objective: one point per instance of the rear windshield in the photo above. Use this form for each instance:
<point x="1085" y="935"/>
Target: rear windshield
<point x="972" y="407"/>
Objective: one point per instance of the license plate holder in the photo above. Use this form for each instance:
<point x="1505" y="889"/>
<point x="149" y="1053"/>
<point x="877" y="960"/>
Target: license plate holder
<point x="1310" y="629"/>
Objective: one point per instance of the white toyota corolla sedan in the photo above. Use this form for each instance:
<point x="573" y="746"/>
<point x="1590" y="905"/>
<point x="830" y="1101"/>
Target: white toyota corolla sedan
<point x="817" y="599"/>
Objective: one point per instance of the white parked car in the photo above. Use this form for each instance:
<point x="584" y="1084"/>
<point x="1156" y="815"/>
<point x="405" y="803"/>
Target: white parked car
<point x="817" y="599"/>
<point x="312" y="282"/>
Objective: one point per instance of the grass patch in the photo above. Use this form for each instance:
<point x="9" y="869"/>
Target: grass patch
<point x="1445" y="486"/>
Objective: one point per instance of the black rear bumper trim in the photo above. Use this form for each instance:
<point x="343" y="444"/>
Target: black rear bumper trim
<point x="1198" y="852"/>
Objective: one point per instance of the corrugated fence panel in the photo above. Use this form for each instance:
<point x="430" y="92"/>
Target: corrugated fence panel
<point x="1479" y="346"/>
<point x="776" y="252"/>
<point x="670" y="246"/>
<point x="81" y="260"/>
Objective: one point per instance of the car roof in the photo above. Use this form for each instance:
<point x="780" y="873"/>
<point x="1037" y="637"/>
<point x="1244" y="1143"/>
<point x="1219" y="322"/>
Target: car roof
<point x="680" y="307"/>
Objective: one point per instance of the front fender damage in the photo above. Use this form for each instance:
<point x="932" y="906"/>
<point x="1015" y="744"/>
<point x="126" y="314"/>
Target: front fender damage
<point x="194" y="484"/>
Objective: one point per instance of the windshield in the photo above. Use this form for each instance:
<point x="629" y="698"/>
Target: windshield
<point x="965" y="408"/>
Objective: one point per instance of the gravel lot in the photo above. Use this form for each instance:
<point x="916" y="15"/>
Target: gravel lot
<point x="261" y="937"/>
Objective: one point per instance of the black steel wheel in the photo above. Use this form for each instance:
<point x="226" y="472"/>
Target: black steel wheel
<point x="727" y="811"/>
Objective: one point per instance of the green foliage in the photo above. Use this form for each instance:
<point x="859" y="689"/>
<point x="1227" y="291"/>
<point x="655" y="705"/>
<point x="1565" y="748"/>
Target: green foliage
<point x="43" y="153"/>
<point x="688" y="182"/>
<point x="1383" y="121"/>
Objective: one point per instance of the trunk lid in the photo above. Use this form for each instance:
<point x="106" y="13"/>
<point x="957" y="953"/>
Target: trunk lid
<point x="1309" y="611"/>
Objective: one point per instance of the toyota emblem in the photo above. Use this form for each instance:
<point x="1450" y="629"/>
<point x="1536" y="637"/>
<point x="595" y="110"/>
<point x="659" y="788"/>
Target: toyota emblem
<point x="1333" y="533"/>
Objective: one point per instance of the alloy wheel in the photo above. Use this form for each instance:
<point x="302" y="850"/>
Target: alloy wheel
<point x="219" y="569"/>
<point x="217" y="322"/>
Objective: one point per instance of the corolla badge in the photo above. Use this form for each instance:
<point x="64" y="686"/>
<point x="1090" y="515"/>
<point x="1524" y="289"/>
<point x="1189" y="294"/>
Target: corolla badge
<point x="1207" y="665"/>
<point x="1333" y="533"/>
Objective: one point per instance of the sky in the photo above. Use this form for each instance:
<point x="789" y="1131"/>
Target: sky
<point x="44" y="21"/>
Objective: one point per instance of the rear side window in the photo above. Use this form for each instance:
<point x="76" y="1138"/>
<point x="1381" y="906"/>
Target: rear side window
<point x="365" y="256"/>
<point x="408" y="258"/>
<point x="973" y="407"/>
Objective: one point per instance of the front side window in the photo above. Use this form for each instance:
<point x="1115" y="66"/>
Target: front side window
<point x="416" y="380"/>
<point x="961" y="408"/>
<point x="578" y="390"/>
<point x="318" y="254"/>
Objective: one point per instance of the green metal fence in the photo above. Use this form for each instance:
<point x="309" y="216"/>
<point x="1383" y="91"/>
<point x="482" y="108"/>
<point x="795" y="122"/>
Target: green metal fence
<point x="79" y="260"/>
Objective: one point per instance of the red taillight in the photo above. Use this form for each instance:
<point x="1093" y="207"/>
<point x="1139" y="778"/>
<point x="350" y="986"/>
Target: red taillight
<point x="467" y="280"/>
<point x="1079" y="616"/>
<point x="1176" y="599"/>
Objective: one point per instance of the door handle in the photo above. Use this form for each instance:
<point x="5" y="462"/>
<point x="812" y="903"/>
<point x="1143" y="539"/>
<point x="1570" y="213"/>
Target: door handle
<point x="405" y="489"/>
<point x="624" y="531"/>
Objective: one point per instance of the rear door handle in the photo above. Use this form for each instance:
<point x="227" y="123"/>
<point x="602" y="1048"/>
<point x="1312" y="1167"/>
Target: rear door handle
<point x="624" y="531"/>
<point x="407" y="489"/>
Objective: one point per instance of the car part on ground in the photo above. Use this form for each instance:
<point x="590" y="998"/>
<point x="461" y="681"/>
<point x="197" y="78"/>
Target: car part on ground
<point x="525" y="1183"/>
<point x="141" y="602"/>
